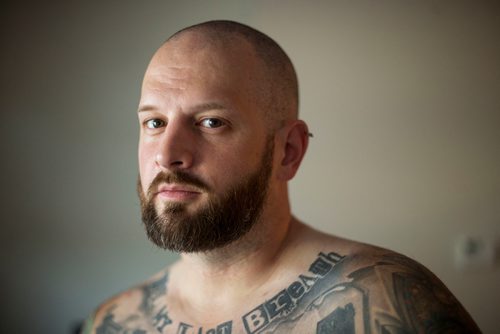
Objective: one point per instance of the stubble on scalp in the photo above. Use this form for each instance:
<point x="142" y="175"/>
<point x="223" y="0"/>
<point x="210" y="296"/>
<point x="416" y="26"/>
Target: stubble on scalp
<point x="277" y="88"/>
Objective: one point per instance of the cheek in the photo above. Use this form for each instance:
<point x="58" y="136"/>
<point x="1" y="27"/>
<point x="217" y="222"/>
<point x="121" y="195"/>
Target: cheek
<point x="236" y="163"/>
<point x="146" y="165"/>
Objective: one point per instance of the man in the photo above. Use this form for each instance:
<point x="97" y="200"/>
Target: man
<point x="220" y="138"/>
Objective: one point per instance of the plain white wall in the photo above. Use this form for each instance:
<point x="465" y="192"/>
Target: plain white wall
<point x="403" y="98"/>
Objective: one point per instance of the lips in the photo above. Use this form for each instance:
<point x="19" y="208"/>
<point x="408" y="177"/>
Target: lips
<point x="177" y="192"/>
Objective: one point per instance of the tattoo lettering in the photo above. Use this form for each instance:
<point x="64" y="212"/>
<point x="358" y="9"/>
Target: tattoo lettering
<point x="183" y="328"/>
<point x="394" y="295"/>
<point x="161" y="319"/>
<point x="224" y="328"/>
<point x="110" y="326"/>
<point x="288" y="300"/>
<point x="307" y="281"/>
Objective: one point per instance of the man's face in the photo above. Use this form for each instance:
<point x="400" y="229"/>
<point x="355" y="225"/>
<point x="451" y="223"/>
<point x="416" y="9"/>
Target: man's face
<point x="205" y="157"/>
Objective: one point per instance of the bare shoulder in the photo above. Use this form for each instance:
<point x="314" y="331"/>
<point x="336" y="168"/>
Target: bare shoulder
<point x="404" y="295"/>
<point x="136" y="310"/>
<point x="367" y="289"/>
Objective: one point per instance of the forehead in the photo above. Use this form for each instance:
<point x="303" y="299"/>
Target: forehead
<point x="195" y="61"/>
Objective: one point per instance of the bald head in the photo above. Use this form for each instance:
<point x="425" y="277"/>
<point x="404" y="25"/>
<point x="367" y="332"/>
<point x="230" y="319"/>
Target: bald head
<point x="275" y="86"/>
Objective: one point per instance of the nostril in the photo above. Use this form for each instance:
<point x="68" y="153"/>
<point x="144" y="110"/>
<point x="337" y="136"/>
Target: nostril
<point x="168" y="160"/>
<point x="176" y="163"/>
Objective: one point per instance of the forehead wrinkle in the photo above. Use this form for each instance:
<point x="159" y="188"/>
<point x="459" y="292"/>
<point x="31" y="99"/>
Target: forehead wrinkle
<point x="168" y="77"/>
<point x="226" y="73"/>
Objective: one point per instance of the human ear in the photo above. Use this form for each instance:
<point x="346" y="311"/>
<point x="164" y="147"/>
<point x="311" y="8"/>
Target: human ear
<point x="296" y="140"/>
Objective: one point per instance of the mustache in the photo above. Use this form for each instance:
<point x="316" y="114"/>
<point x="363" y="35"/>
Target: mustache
<point x="178" y="177"/>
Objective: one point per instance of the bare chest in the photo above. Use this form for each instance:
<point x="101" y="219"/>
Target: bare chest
<point x="318" y="300"/>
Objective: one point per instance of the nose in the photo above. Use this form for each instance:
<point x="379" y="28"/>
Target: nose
<point x="176" y="147"/>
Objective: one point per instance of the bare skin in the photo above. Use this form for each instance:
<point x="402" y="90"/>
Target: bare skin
<point x="282" y="276"/>
<point x="321" y="282"/>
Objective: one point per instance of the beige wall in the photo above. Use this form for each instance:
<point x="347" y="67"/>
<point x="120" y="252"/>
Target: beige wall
<point x="403" y="98"/>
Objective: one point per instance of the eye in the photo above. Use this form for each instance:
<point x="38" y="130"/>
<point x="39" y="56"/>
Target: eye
<point x="211" y="123"/>
<point x="154" y="123"/>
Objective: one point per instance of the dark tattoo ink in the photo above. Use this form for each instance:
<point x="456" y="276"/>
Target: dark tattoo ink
<point x="224" y="328"/>
<point x="320" y="267"/>
<point x="151" y="292"/>
<point x="288" y="305"/>
<point x="412" y="289"/>
<point x="110" y="326"/>
<point x="161" y="319"/>
<point x="183" y="328"/>
<point x="307" y="280"/>
<point x="281" y="304"/>
<point x="340" y="321"/>
<point x="394" y="295"/>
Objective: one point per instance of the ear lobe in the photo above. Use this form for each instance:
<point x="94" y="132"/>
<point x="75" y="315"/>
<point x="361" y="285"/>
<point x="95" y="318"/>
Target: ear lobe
<point x="295" y="146"/>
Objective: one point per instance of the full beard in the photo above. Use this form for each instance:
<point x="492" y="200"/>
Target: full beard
<point x="219" y="222"/>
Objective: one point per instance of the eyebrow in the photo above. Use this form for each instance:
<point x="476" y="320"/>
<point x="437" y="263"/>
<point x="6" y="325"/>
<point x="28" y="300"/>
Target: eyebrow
<point x="197" y="108"/>
<point x="146" y="107"/>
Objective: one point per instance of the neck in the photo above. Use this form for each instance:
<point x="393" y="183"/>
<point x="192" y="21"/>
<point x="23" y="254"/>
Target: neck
<point x="261" y="245"/>
<point x="233" y="273"/>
